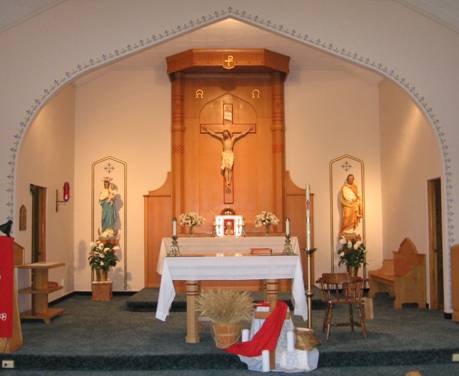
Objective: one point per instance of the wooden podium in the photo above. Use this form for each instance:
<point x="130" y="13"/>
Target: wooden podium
<point x="10" y="345"/>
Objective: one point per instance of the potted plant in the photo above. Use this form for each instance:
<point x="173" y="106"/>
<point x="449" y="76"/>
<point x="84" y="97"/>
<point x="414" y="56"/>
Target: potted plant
<point x="266" y="219"/>
<point x="102" y="257"/>
<point x="190" y="220"/>
<point x="227" y="309"/>
<point x="352" y="253"/>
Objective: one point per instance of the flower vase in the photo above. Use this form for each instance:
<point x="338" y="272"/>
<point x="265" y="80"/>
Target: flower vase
<point x="190" y="230"/>
<point x="101" y="275"/>
<point x="353" y="271"/>
<point x="267" y="229"/>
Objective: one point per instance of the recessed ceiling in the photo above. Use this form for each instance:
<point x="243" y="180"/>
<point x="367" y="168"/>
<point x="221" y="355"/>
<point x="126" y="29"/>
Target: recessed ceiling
<point x="231" y="33"/>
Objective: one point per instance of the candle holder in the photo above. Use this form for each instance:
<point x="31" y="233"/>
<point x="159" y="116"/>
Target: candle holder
<point x="243" y="233"/>
<point x="309" y="293"/>
<point x="174" y="249"/>
<point x="288" y="248"/>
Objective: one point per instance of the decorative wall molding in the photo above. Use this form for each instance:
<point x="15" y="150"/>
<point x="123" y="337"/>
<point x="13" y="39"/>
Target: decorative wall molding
<point x="263" y="23"/>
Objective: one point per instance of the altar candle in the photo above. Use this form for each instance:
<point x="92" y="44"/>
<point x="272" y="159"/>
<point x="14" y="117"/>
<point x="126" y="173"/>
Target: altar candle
<point x="290" y="340"/>
<point x="265" y="359"/>
<point x="174" y="226"/>
<point x="245" y="335"/>
<point x="287" y="227"/>
<point x="308" y="217"/>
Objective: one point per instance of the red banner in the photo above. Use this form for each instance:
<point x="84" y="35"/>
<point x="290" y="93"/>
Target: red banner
<point x="6" y="287"/>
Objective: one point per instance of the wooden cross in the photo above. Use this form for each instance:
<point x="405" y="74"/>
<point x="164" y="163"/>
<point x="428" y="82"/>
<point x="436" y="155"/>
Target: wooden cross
<point x="235" y="128"/>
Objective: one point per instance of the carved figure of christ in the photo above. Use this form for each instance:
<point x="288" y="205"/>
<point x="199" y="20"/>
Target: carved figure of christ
<point x="228" y="140"/>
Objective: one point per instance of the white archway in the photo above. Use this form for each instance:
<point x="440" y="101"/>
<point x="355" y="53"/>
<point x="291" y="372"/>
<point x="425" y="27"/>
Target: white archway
<point x="257" y="21"/>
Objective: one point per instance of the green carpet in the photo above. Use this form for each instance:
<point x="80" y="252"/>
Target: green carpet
<point x="106" y="336"/>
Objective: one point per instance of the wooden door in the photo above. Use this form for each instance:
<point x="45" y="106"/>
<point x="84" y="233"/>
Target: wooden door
<point x="38" y="223"/>
<point x="435" y="244"/>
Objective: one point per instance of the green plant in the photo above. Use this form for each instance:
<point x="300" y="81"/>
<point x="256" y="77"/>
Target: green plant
<point x="226" y="306"/>
<point x="352" y="252"/>
<point x="102" y="255"/>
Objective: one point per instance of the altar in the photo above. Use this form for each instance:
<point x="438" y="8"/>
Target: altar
<point x="226" y="259"/>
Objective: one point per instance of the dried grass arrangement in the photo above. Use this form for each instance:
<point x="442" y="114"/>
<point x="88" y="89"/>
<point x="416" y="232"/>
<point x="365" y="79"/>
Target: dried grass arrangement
<point x="226" y="306"/>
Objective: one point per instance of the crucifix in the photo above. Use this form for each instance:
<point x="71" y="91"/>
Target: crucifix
<point x="228" y="133"/>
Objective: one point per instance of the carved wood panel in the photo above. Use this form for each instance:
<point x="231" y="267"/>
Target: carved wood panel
<point x="253" y="163"/>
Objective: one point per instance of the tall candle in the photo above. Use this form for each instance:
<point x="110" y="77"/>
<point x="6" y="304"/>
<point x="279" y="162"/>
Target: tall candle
<point x="290" y="341"/>
<point x="174" y="226"/>
<point x="265" y="360"/>
<point x="287" y="227"/>
<point x="308" y="217"/>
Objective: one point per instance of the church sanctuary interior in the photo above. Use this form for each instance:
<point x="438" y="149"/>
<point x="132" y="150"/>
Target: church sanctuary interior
<point x="229" y="187"/>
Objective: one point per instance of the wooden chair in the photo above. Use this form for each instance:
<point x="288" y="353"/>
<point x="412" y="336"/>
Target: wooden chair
<point x="341" y="288"/>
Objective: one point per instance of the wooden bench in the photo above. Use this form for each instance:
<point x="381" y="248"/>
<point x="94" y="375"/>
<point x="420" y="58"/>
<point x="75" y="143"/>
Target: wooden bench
<point x="403" y="277"/>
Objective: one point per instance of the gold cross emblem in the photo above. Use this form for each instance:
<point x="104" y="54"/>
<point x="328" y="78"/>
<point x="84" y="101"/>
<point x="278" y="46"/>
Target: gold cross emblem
<point x="229" y="63"/>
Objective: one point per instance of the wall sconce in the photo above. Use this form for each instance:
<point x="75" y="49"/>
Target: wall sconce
<point x="65" y="195"/>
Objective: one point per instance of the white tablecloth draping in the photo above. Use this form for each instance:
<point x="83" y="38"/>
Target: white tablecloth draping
<point x="230" y="268"/>
<point x="286" y="361"/>
<point x="227" y="245"/>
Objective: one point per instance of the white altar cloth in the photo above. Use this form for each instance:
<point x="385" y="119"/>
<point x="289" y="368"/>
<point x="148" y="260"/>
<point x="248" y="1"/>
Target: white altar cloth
<point x="184" y="268"/>
<point x="226" y="245"/>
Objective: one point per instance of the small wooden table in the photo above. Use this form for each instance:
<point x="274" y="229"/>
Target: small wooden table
<point x="39" y="290"/>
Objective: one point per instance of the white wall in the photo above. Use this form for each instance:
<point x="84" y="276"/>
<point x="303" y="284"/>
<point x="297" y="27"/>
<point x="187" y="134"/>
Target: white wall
<point x="329" y="114"/>
<point x="124" y="114"/>
<point x="411" y="156"/>
<point x="46" y="159"/>
<point x="74" y="36"/>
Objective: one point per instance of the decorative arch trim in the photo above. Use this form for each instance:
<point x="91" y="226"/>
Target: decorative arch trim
<point x="263" y="23"/>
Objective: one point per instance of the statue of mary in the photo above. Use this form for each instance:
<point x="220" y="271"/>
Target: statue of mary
<point x="107" y="198"/>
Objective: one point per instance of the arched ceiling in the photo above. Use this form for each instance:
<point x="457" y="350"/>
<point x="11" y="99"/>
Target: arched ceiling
<point x="231" y="33"/>
<point x="13" y="12"/>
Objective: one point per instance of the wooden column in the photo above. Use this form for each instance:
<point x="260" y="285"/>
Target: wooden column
<point x="272" y="290"/>
<point x="192" y="328"/>
<point x="177" y="138"/>
<point x="278" y="145"/>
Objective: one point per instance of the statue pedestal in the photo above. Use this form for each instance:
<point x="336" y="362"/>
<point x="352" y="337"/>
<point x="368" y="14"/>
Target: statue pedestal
<point x="101" y="291"/>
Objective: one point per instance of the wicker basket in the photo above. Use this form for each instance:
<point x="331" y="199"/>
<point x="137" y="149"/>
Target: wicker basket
<point x="305" y="339"/>
<point x="226" y="335"/>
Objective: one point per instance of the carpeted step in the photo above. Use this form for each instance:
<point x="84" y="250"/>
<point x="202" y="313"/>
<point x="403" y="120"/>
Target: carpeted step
<point x="221" y="360"/>
<point x="146" y="301"/>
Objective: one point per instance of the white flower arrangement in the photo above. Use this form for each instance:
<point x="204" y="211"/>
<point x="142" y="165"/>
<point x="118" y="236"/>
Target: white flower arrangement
<point x="191" y="219"/>
<point x="266" y="218"/>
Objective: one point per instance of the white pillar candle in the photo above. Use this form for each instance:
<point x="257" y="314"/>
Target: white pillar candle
<point x="245" y="335"/>
<point x="290" y="340"/>
<point x="308" y="217"/>
<point x="174" y="226"/>
<point x="265" y="359"/>
<point x="287" y="227"/>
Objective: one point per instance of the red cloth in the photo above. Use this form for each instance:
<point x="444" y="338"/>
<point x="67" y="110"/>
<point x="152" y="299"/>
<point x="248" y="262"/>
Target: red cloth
<point x="266" y="338"/>
<point x="6" y="287"/>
